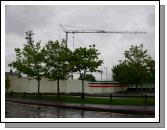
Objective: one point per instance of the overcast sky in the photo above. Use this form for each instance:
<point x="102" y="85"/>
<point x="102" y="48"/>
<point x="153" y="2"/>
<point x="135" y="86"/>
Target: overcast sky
<point x="45" y="21"/>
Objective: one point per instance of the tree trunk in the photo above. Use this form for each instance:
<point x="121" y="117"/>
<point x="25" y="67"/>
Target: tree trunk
<point x="142" y="89"/>
<point x="58" y="113"/>
<point x="137" y="88"/>
<point x="38" y="87"/>
<point x="137" y="77"/>
<point x="58" y="89"/>
<point x="150" y="86"/>
<point x="82" y="86"/>
<point x="82" y="95"/>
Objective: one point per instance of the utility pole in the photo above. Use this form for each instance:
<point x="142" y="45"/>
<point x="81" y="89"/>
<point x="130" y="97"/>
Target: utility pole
<point x="66" y="38"/>
<point x="101" y="74"/>
<point x="106" y="72"/>
<point x="111" y="75"/>
<point x="29" y="37"/>
<point x="73" y="42"/>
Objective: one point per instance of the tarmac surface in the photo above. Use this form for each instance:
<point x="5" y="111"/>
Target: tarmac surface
<point x="91" y="107"/>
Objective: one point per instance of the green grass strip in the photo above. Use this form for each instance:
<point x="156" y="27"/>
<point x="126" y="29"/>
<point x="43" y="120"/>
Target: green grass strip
<point x="91" y="100"/>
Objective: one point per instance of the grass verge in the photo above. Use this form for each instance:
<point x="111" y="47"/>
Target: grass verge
<point x="90" y="100"/>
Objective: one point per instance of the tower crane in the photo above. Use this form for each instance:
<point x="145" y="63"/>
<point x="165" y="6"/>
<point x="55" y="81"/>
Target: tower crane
<point x="95" y="31"/>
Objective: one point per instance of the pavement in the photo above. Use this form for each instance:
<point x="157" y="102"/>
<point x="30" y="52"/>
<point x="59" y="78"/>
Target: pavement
<point x="88" y="107"/>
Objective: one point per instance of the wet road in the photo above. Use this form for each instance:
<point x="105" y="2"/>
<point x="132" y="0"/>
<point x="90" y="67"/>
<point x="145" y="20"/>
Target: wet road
<point x="17" y="110"/>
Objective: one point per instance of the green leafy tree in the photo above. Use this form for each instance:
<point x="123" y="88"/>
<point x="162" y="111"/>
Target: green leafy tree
<point x="136" y="68"/>
<point x="7" y="83"/>
<point x="56" y="60"/>
<point x="151" y="69"/>
<point x="86" y="60"/>
<point x="29" y="61"/>
<point x="88" y="77"/>
<point x="121" y="71"/>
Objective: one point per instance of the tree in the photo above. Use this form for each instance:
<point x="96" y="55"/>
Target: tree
<point x="151" y="71"/>
<point x="88" y="77"/>
<point x="29" y="60"/>
<point x="135" y="69"/>
<point x="7" y="83"/>
<point x="85" y="60"/>
<point x="121" y="73"/>
<point x="56" y="60"/>
<point x="151" y="67"/>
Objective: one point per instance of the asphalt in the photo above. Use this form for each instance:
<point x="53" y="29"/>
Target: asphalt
<point x="89" y="107"/>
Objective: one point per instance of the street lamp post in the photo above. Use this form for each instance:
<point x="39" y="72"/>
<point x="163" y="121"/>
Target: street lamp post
<point x="101" y="73"/>
<point x="106" y="72"/>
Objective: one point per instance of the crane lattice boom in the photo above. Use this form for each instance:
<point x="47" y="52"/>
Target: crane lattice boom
<point x="97" y="31"/>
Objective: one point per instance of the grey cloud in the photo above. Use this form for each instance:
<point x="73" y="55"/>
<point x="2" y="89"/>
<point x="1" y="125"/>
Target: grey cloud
<point x="151" y="20"/>
<point x="22" y="18"/>
<point x="45" y="21"/>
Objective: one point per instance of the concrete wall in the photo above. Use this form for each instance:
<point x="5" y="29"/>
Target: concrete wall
<point x="66" y="86"/>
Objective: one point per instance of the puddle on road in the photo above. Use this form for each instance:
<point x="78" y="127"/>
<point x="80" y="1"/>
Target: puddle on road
<point x="16" y="110"/>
